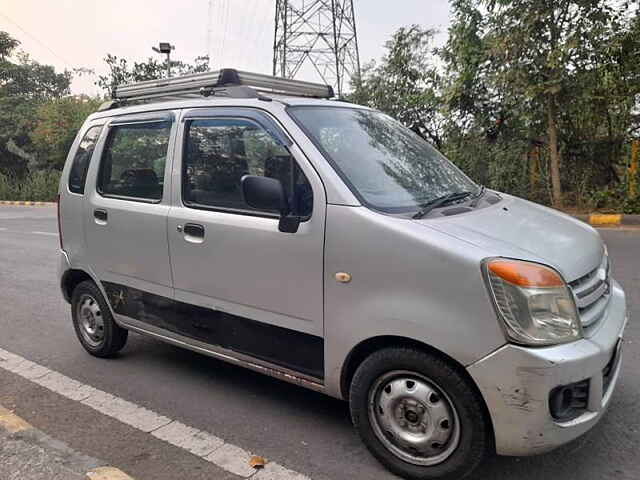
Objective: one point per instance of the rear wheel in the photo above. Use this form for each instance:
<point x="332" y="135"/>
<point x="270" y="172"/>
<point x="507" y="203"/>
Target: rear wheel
<point x="419" y="416"/>
<point x="97" y="331"/>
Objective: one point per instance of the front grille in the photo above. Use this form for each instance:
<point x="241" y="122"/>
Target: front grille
<point x="591" y="292"/>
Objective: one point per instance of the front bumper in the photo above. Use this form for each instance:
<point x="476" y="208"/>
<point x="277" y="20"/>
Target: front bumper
<point x="516" y="382"/>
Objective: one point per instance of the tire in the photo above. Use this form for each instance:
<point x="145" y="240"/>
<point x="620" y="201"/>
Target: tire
<point x="94" y="325"/>
<point x="419" y="416"/>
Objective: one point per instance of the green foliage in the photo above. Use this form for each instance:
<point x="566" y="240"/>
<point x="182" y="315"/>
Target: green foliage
<point x="57" y="123"/>
<point x="40" y="186"/>
<point x="631" y="206"/>
<point x="24" y="86"/>
<point x="536" y="98"/>
<point x="17" y="118"/>
<point x="26" y="78"/>
<point x="405" y="85"/>
<point x="121" y="71"/>
<point x="7" y="45"/>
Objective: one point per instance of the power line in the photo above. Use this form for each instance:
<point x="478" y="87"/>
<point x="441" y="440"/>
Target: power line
<point x="216" y="20"/>
<point x="33" y="37"/>
<point x="209" y="27"/>
<point x="263" y="31"/>
<point x="226" y="24"/>
<point x="247" y="29"/>
<point x="260" y="23"/>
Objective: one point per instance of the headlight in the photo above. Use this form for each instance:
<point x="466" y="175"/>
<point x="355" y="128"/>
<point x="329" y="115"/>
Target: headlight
<point x="533" y="301"/>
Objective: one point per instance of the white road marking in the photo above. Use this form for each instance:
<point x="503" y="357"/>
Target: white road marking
<point x="49" y="234"/>
<point x="233" y="459"/>
<point x="205" y="445"/>
<point x="195" y="441"/>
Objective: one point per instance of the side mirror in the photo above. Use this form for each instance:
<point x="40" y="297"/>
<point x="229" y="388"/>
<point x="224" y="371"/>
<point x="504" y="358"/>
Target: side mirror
<point x="265" y="193"/>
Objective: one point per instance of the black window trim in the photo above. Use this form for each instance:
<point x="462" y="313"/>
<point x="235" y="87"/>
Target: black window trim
<point x="227" y="114"/>
<point x="169" y="117"/>
<point x="257" y="116"/>
<point x="152" y="117"/>
<point x="84" y="187"/>
<point x="291" y="108"/>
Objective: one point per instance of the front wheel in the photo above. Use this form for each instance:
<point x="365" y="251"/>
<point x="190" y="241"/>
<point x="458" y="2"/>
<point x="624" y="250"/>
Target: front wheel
<point x="419" y="416"/>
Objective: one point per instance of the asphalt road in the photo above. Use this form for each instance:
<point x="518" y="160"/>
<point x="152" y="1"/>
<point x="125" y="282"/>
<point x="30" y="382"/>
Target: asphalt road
<point x="300" y="429"/>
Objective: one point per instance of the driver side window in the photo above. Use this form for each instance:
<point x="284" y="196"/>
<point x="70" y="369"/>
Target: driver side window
<point x="219" y="152"/>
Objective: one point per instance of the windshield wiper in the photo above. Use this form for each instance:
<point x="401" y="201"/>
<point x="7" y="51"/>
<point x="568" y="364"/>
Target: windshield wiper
<point x="478" y="197"/>
<point x="439" y="202"/>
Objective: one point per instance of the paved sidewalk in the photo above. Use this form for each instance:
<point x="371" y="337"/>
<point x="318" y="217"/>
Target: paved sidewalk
<point x="29" y="454"/>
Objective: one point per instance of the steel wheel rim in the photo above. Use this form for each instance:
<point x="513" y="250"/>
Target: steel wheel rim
<point x="413" y="418"/>
<point x="90" y="320"/>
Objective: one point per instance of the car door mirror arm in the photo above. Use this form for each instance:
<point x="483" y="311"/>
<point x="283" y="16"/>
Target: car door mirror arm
<point x="267" y="193"/>
<point x="289" y="223"/>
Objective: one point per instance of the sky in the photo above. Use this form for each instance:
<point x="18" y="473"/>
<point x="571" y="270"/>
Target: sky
<point x="79" y="33"/>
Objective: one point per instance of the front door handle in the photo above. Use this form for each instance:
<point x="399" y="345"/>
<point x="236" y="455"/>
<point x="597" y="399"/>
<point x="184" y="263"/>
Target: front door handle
<point x="193" y="232"/>
<point x="100" y="216"/>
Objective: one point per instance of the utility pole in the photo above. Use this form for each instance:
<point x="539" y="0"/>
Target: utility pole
<point x="320" y="34"/>
<point x="165" y="47"/>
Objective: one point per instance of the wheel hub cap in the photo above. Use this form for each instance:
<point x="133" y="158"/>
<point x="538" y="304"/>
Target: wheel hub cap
<point x="413" y="418"/>
<point x="90" y="320"/>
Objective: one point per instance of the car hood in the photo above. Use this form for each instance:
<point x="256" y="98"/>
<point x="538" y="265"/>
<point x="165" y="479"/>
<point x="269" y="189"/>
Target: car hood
<point x="520" y="229"/>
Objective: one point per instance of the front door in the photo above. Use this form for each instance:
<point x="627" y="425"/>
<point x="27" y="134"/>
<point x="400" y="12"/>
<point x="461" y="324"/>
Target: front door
<point x="240" y="283"/>
<point x="126" y="212"/>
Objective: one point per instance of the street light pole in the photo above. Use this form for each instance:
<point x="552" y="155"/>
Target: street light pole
<point x="165" y="47"/>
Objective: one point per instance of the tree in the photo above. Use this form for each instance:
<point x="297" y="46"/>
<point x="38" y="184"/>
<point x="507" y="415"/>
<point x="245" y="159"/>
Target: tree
<point x="24" y="85"/>
<point x="7" y="45"/>
<point x="536" y="46"/>
<point x="467" y="92"/>
<point x="406" y="83"/>
<point x="57" y="123"/>
<point x="121" y="71"/>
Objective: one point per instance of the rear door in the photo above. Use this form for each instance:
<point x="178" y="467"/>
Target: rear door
<point x="241" y="283"/>
<point x="127" y="208"/>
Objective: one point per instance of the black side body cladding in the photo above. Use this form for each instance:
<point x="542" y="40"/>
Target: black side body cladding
<point x="294" y="350"/>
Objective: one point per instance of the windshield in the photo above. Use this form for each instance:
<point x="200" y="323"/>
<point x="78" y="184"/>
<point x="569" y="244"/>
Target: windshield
<point x="388" y="167"/>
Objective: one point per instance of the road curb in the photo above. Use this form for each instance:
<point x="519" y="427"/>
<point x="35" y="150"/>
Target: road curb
<point x="26" y="203"/>
<point x="18" y="428"/>
<point x="609" y="219"/>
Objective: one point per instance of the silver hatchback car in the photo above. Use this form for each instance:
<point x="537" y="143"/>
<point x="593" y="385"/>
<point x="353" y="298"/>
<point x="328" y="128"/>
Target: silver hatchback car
<point x="254" y="220"/>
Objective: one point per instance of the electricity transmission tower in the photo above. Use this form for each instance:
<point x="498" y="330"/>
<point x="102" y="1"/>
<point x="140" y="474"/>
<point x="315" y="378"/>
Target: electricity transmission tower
<point x="320" y="34"/>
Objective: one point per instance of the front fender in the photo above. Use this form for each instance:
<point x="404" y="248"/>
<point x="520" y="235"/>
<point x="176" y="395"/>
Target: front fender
<point x="407" y="281"/>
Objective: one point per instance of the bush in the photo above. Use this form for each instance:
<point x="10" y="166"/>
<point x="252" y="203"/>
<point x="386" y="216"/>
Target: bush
<point x="40" y="186"/>
<point x="632" y="206"/>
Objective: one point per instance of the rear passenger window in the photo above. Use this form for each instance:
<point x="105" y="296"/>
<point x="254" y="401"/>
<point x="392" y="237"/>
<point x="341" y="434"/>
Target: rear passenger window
<point x="218" y="152"/>
<point x="133" y="161"/>
<point x="80" y="165"/>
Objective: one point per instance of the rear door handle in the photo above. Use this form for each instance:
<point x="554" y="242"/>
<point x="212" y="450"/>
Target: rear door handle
<point x="193" y="232"/>
<point x="100" y="216"/>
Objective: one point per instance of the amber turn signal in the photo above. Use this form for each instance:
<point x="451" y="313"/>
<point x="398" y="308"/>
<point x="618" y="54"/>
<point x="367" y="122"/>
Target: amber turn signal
<point x="525" y="274"/>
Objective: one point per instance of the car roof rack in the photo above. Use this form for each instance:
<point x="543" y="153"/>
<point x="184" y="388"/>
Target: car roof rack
<point x="226" y="82"/>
